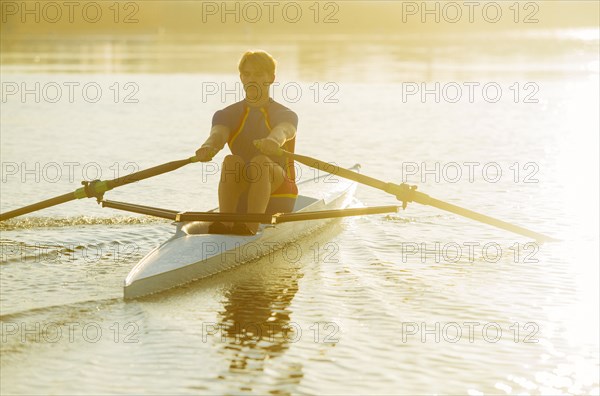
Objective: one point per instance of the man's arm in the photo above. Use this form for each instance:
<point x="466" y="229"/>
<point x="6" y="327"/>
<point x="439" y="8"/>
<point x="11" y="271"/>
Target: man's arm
<point x="219" y="134"/>
<point x="280" y="134"/>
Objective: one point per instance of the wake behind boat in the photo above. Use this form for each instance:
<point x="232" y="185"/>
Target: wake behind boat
<point x="192" y="253"/>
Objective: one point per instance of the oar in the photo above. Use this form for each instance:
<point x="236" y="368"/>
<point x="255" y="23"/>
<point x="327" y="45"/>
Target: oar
<point x="264" y="218"/>
<point x="272" y="218"/>
<point x="97" y="188"/>
<point x="406" y="194"/>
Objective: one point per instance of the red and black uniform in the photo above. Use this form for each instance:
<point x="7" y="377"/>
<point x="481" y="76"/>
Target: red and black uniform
<point x="248" y="124"/>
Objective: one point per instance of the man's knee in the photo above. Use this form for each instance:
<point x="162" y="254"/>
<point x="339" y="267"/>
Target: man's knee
<point x="260" y="167"/>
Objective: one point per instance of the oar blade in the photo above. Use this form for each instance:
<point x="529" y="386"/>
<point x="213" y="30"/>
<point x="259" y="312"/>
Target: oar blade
<point x="487" y="220"/>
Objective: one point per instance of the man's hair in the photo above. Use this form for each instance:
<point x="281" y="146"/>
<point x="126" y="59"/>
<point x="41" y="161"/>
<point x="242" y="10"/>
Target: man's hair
<point x="262" y="58"/>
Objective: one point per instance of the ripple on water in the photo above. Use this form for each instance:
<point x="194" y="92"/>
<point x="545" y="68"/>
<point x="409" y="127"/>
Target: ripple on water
<point x="358" y="303"/>
<point x="32" y="222"/>
<point x="70" y="264"/>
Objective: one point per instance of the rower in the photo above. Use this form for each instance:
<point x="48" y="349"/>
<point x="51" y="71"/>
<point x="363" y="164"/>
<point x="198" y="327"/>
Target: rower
<point x="253" y="178"/>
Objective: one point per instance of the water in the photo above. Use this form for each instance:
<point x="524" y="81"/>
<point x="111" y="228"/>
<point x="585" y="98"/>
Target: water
<point x="358" y="310"/>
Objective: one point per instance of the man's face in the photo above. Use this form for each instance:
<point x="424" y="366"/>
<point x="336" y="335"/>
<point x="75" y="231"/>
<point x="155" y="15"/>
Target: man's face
<point x="256" y="81"/>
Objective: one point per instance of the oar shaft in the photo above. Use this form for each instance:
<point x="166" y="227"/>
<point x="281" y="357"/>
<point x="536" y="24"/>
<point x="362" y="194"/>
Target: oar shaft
<point x="146" y="173"/>
<point x="141" y="209"/>
<point x="407" y="194"/>
<point x="96" y="189"/>
<point x="225" y="217"/>
<point x="402" y="192"/>
<point x="336" y="170"/>
<point x="334" y="213"/>
<point x="37" y="206"/>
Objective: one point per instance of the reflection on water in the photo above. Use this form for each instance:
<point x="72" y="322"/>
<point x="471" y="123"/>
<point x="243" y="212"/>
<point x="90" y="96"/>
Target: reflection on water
<point x="256" y="323"/>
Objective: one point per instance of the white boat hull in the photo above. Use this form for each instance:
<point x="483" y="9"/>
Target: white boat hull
<point x="190" y="255"/>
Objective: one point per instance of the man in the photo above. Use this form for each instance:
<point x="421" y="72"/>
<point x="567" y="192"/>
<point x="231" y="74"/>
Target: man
<point x="253" y="178"/>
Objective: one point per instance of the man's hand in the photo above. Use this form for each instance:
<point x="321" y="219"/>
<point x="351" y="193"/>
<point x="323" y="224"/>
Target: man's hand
<point x="206" y="153"/>
<point x="267" y="146"/>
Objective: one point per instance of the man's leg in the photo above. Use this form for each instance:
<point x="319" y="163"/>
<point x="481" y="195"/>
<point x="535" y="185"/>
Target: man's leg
<point x="264" y="176"/>
<point x="232" y="184"/>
